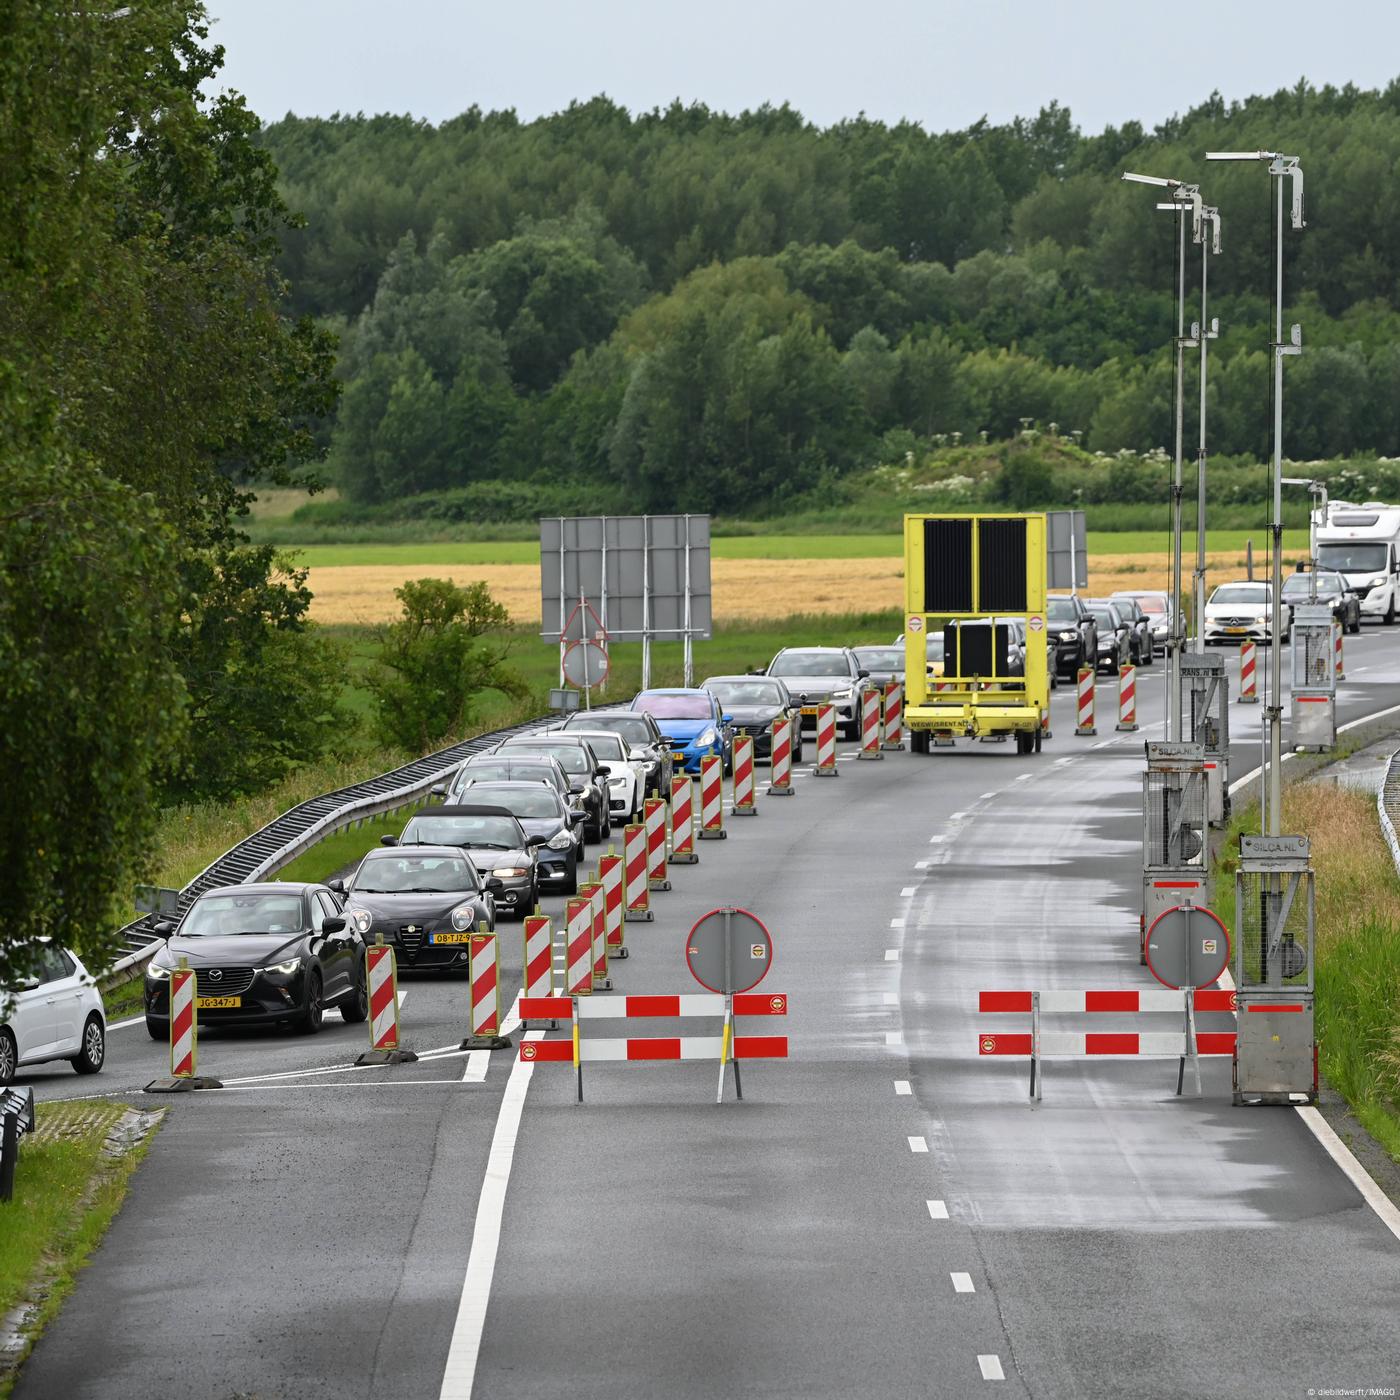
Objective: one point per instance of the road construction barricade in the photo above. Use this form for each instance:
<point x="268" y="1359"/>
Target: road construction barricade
<point x="636" y="897"/>
<point x="712" y="799"/>
<point x="1085" y="713"/>
<point x="892" y="717"/>
<point x="537" y="977"/>
<point x="1184" y="1045"/>
<point x="1337" y="642"/>
<point x="484" y="974"/>
<point x="382" y="978"/>
<point x="610" y="877"/>
<point x="654" y="819"/>
<point x="725" y="1049"/>
<point x="683" y="821"/>
<point x="826" y="742"/>
<point x="870" y="724"/>
<point x="184" y="1030"/>
<point x="744" y="804"/>
<point x="1127" y="699"/>
<point x="578" y="948"/>
<point x="780" y="776"/>
<point x="598" y="934"/>
<point x="1249" y="692"/>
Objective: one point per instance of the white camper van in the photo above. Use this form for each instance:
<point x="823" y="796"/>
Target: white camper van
<point x="1362" y="543"/>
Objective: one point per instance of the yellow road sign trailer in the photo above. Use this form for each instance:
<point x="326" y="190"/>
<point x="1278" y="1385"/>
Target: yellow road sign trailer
<point x="961" y="573"/>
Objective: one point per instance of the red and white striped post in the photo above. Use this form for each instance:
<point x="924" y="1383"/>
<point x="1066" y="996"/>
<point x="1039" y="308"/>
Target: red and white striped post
<point x="578" y="944"/>
<point x="184" y="1033"/>
<point x="892" y="718"/>
<point x="538" y="966"/>
<point x="1127" y="698"/>
<point x="1337" y="648"/>
<point x="1249" y="693"/>
<point x="780" y="763"/>
<point x="826" y="742"/>
<point x="744" y="804"/>
<point x="610" y="877"/>
<point x="683" y="821"/>
<point x="636" y="897"/>
<point x="654" y="819"/>
<point x="598" y="935"/>
<point x="870" y="724"/>
<point x="712" y="799"/>
<point x="484" y="972"/>
<point x="1085" y="724"/>
<point x="382" y="976"/>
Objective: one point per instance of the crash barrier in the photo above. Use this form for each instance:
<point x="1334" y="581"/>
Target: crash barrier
<point x="484" y="974"/>
<point x="683" y="821"/>
<point x="16" y="1119"/>
<point x="610" y="877"/>
<point x="1127" y="698"/>
<point x="892" y="717"/>
<point x="726" y="1049"/>
<point x="184" y="1027"/>
<point x="636" y="895"/>
<point x="1184" y="1045"/>
<point x="654" y="819"/>
<point x="780" y="764"/>
<point x="744" y="804"/>
<point x="712" y="799"/>
<point x="578" y="947"/>
<point x="1249" y="693"/>
<point x="870" y="724"/>
<point x="826" y="742"/>
<point x="382" y="977"/>
<point x="1337" y="635"/>
<point x="1085" y="713"/>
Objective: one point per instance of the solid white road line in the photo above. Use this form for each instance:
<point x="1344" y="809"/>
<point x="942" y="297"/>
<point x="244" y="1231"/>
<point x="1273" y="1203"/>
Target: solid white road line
<point x="991" y="1367"/>
<point x="938" y="1210"/>
<point x="122" y="1025"/>
<point x="902" y="1086"/>
<point x="918" y="1144"/>
<point x="478" y="1062"/>
<point x="1341" y="1154"/>
<point x="962" y="1283"/>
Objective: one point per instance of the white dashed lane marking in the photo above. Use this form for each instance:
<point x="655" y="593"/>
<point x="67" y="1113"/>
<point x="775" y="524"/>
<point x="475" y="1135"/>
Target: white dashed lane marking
<point x="991" y="1368"/>
<point x="902" y="1086"/>
<point x="962" y="1283"/>
<point x="938" y="1210"/>
<point x="918" y="1144"/>
<point x="908" y="891"/>
<point x="891" y="954"/>
<point x="897" y="923"/>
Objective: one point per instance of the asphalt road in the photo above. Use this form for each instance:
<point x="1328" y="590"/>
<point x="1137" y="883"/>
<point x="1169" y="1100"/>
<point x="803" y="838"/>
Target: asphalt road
<point x="883" y="1215"/>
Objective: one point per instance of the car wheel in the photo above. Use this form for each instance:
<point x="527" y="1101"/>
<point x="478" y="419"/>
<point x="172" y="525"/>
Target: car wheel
<point x="157" y="1030"/>
<point x="308" y="1022"/>
<point x="9" y="1056"/>
<point x="355" y="1008"/>
<point x="1389" y="617"/>
<point x="90" y="1058"/>
<point x="1356" y="626"/>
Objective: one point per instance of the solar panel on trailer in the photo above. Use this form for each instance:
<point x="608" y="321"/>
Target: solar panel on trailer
<point x="948" y="566"/>
<point x="1001" y="565"/>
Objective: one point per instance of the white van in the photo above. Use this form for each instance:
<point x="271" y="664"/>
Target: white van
<point x="1362" y="543"/>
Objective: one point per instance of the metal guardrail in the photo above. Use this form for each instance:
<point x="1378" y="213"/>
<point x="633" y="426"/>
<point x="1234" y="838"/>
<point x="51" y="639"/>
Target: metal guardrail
<point x="1388" y="806"/>
<point x="281" y="841"/>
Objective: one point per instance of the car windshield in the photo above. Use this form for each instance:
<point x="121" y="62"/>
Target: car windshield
<point x="675" y="706"/>
<point x="401" y="873"/>
<point x="933" y="646"/>
<point x="1353" y="557"/>
<point x="1102" y="614"/>
<point x="572" y="759"/>
<point x="499" y="832"/>
<point x="632" y="729"/>
<point x="1255" y="593"/>
<point x="745" y="692"/>
<point x="880" y="658"/>
<point x="809" y="663"/>
<point x="484" y="773"/>
<point x="221" y="915"/>
<point x="608" y="747"/>
<point x="1296" y="587"/>
<point x="1153" y="604"/>
<point x="1061" y="610"/>
<point x="524" y="800"/>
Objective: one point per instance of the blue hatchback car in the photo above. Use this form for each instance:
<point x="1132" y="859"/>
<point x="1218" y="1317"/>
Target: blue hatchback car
<point x="692" y="723"/>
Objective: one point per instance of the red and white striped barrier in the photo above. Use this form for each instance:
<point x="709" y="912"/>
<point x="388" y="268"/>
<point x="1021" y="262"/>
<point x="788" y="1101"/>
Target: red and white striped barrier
<point x="1184" y="1045"/>
<point x="1249" y="692"/>
<point x="578" y="947"/>
<point x="870" y="724"/>
<point x="184" y="1034"/>
<point x="610" y="877"/>
<point x="780" y="777"/>
<point x="636" y="897"/>
<point x="712" y="799"/>
<point x="683" y="821"/>
<point x="1085" y="713"/>
<point x="892" y="717"/>
<point x="654" y="819"/>
<point x="1337" y="647"/>
<point x="744" y="804"/>
<point x="598" y="934"/>
<point x="826" y="742"/>
<point x="537" y="978"/>
<point x="484" y="973"/>
<point x="1127" y="699"/>
<point x="382" y="977"/>
<point x="725" y="1048"/>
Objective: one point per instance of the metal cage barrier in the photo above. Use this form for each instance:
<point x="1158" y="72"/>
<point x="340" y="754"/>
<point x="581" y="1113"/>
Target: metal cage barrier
<point x="1206" y="708"/>
<point x="1313" y="702"/>
<point x="1175" y="844"/>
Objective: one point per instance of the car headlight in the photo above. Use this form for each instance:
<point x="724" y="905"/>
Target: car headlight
<point x="649" y="764"/>
<point x="705" y="738"/>
<point x="617" y="782"/>
<point x="158" y="972"/>
<point x="283" y="969"/>
<point x="841" y="696"/>
<point x="1068" y="636"/>
<point x="560" y="841"/>
<point x="464" y="917"/>
<point x="510" y="872"/>
<point x="360" y="919"/>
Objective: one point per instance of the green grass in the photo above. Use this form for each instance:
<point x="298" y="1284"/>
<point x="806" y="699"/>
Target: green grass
<point x="338" y="851"/>
<point x="66" y="1194"/>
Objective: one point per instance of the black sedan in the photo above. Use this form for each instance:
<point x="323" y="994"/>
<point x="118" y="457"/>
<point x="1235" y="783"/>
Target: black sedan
<point x="1115" y="637"/>
<point x="425" y="900"/>
<point x="267" y="952"/>
<point x="493" y="839"/>
<point x="1332" y="591"/>
<point x="547" y="821"/>
<point x="754" y="702"/>
<point x="588" y="779"/>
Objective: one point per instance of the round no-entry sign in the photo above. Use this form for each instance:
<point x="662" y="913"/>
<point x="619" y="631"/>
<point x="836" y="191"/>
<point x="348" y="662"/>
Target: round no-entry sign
<point x="1187" y="947"/>
<point x="728" y="950"/>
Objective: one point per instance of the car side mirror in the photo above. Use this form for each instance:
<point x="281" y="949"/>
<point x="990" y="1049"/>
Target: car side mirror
<point x="164" y="929"/>
<point x="338" y="886"/>
<point x="575" y="818"/>
<point x="533" y="841"/>
<point x="600" y="772"/>
<point x="862" y="675"/>
<point x="726" y="719"/>
<point x="388" y="840"/>
<point x="495" y="886"/>
<point x="437" y="790"/>
<point x="334" y="924"/>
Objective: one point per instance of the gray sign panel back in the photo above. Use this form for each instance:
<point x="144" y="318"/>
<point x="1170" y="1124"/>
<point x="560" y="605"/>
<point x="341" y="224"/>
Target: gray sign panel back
<point x="642" y="575"/>
<point x="1067" y="549"/>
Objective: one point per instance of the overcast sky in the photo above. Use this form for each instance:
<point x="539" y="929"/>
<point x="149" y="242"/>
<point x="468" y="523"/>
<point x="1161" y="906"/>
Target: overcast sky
<point x="943" y="63"/>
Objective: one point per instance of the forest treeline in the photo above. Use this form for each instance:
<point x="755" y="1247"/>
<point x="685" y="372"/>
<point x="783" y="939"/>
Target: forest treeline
<point x="686" y="309"/>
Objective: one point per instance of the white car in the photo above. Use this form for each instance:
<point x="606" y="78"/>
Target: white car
<point x="56" y="1015"/>
<point x="627" y="776"/>
<point x="1239" y="610"/>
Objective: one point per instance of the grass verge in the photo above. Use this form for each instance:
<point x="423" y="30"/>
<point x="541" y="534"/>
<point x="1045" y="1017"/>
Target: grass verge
<point x="1358" y="944"/>
<point x="68" y="1188"/>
